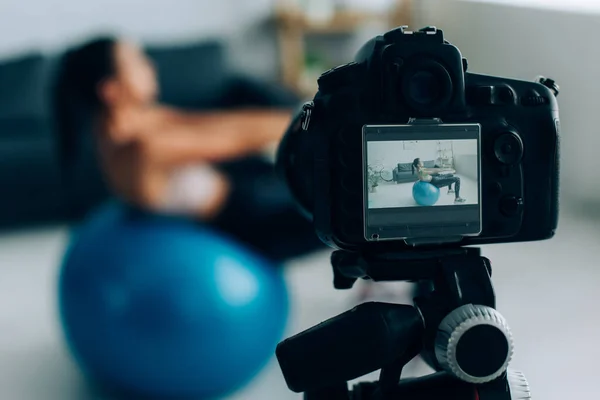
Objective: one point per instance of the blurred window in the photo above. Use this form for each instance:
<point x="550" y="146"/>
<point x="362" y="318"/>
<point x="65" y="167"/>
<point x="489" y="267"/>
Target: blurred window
<point x="572" y="5"/>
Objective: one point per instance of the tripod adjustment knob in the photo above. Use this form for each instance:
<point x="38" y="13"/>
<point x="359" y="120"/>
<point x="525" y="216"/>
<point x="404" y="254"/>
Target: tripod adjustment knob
<point x="519" y="387"/>
<point x="474" y="343"/>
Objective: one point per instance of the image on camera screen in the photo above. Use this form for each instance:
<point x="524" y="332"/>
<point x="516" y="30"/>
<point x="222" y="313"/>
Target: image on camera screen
<point x="422" y="181"/>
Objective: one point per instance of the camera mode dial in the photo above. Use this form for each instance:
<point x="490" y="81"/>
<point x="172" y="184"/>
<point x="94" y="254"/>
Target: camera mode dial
<point x="474" y="343"/>
<point x="550" y="84"/>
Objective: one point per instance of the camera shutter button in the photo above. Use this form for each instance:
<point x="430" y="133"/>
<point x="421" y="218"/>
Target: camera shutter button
<point x="508" y="149"/>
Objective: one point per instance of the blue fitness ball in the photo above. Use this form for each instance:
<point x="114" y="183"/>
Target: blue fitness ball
<point x="425" y="194"/>
<point x="160" y="307"/>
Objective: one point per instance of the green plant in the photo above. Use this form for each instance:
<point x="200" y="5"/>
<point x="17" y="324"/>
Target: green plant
<point x="373" y="176"/>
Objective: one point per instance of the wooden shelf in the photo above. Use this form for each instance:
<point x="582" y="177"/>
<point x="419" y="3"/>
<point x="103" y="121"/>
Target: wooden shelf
<point x="339" y="23"/>
<point x="293" y="26"/>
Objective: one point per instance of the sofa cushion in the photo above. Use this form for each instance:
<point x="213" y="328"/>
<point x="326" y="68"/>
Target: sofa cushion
<point x="23" y="87"/>
<point x="407" y="167"/>
<point x="27" y="153"/>
<point x="190" y="76"/>
<point x="29" y="172"/>
<point x="404" y="167"/>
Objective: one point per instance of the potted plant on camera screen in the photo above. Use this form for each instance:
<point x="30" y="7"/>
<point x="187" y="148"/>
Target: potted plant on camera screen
<point x="373" y="177"/>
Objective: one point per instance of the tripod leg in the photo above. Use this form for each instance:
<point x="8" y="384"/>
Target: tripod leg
<point x="460" y="280"/>
<point x="365" y="391"/>
<point x="337" y="392"/>
<point x="390" y="375"/>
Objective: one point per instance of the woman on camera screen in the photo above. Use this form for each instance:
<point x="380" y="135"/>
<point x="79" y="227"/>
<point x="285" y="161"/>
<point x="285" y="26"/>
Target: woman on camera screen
<point x="433" y="176"/>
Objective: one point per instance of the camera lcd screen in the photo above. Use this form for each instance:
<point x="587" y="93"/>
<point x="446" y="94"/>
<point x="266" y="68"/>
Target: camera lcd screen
<point x="422" y="181"/>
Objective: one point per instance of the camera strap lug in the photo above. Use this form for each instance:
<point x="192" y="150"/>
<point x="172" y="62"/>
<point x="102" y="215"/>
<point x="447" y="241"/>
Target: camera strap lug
<point x="307" y="110"/>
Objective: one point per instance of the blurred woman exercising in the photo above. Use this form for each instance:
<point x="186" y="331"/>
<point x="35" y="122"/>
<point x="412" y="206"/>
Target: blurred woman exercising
<point x="432" y="175"/>
<point x="176" y="162"/>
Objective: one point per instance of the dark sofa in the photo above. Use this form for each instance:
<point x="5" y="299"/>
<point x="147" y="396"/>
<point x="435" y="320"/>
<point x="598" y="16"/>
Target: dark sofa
<point x="403" y="172"/>
<point x="37" y="187"/>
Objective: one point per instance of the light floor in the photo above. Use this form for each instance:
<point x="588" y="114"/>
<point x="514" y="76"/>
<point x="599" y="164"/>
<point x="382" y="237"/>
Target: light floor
<point x="390" y="194"/>
<point x="548" y="291"/>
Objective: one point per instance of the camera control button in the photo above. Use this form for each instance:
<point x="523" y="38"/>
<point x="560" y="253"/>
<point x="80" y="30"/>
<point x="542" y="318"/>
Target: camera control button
<point x="495" y="188"/>
<point x="494" y="95"/>
<point x="532" y="98"/>
<point x="550" y="84"/>
<point x="508" y="149"/>
<point x="511" y="205"/>
<point x="504" y="95"/>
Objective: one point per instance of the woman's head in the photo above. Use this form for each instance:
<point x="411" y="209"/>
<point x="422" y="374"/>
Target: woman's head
<point x="108" y="72"/>
<point x="417" y="164"/>
<point x="102" y="74"/>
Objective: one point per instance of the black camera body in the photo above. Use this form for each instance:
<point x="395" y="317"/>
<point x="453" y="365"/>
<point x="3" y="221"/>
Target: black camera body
<point x="405" y="88"/>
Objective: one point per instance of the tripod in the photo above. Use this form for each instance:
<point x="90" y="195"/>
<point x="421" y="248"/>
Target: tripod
<point x="453" y="325"/>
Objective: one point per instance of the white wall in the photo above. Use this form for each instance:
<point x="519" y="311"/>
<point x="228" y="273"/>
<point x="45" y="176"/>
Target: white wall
<point x="391" y="153"/>
<point x="523" y="43"/>
<point x="576" y="5"/>
<point x="465" y="158"/>
<point x="50" y="25"/>
<point x="464" y="147"/>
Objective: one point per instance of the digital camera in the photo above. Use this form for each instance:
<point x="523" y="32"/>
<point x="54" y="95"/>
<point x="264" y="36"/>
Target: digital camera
<point x="403" y="147"/>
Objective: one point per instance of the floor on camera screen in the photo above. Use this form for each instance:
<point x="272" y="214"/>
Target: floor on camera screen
<point x="548" y="292"/>
<point x="390" y="194"/>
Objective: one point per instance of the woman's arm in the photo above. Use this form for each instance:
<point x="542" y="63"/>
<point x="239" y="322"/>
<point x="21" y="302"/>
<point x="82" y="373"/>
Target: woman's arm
<point x="181" y="138"/>
<point x="438" y="170"/>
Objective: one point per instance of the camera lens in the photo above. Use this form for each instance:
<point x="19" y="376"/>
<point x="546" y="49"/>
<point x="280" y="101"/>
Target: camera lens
<point x="424" y="87"/>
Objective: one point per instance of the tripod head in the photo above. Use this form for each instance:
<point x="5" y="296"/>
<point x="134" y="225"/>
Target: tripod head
<point x="453" y="324"/>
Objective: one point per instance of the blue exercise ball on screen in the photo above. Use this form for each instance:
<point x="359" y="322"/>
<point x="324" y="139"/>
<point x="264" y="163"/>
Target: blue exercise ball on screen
<point x="159" y="307"/>
<point x="425" y="194"/>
